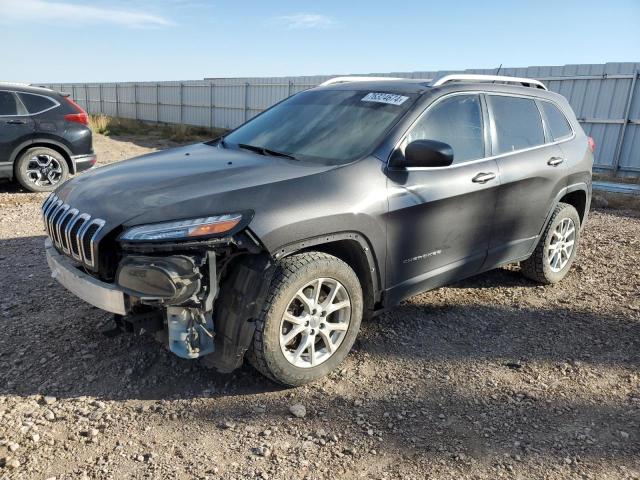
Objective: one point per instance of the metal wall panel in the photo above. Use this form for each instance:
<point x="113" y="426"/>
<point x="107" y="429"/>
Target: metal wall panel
<point x="605" y="97"/>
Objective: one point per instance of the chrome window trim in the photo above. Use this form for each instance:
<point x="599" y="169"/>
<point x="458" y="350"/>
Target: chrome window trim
<point x="15" y="92"/>
<point x="483" y="159"/>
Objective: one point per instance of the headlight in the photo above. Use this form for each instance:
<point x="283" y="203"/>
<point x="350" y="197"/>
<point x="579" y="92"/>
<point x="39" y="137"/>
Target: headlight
<point x="183" y="229"/>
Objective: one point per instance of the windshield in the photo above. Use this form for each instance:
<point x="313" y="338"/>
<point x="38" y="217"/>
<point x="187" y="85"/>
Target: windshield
<point x="335" y="125"/>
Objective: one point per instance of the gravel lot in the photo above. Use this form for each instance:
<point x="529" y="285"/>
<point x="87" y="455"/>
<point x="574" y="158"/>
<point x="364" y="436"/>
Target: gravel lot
<point x="494" y="377"/>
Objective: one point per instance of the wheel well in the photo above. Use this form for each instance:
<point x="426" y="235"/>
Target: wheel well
<point x="52" y="146"/>
<point x="578" y="199"/>
<point x="351" y="252"/>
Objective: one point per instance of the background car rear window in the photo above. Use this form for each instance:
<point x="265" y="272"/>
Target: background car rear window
<point x="36" y="103"/>
<point x="457" y="121"/>
<point x="558" y="123"/>
<point x="8" y="103"/>
<point x="518" y="123"/>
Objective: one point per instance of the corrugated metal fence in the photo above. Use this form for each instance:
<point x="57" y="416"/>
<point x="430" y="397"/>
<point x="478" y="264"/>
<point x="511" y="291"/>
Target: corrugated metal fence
<point x="605" y="97"/>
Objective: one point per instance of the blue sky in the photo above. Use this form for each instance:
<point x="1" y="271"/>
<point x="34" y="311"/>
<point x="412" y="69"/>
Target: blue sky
<point x="118" y="40"/>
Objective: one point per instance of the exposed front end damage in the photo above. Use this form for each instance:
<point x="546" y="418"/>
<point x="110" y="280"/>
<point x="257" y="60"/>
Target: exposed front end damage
<point x="199" y="298"/>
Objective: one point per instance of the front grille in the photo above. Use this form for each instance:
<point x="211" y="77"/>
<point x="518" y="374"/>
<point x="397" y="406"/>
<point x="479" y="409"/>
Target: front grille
<point x="71" y="231"/>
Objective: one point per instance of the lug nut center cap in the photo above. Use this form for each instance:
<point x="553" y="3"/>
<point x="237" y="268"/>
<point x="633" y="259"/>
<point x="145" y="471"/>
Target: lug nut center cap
<point x="314" y="322"/>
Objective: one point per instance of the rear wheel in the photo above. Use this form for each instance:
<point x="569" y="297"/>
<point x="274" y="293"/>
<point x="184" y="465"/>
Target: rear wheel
<point x="557" y="248"/>
<point x="310" y="319"/>
<point x="41" y="169"/>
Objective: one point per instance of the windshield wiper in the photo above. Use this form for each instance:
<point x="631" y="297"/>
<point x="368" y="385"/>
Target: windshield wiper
<point x="266" y="151"/>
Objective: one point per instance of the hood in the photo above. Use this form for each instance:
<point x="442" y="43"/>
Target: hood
<point x="183" y="182"/>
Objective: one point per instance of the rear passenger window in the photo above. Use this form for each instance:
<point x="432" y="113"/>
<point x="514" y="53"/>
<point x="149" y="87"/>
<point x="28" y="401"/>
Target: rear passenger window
<point x="457" y="121"/>
<point x="8" y="103"/>
<point x="36" y="103"/>
<point x="518" y="123"/>
<point x="558" y="123"/>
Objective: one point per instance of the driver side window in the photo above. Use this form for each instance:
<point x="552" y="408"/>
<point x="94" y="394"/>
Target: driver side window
<point x="456" y="120"/>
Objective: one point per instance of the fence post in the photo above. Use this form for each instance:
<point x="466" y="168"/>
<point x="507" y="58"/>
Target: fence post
<point x="157" y="103"/>
<point x="211" y="108"/>
<point x="117" y="101"/>
<point x="86" y="98"/>
<point x="623" y="128"/>
<point x="181" y="101"/>
<point x="290" y="88"/>
<point x="100" y="98"/>
<point x="246" y="101"/>
<point x="135" y="100"/>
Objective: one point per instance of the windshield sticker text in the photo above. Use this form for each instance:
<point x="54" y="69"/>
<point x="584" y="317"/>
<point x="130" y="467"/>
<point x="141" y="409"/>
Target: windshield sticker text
<point x="389" y="98"/>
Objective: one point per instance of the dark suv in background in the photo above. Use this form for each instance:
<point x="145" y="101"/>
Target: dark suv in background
<point x="333" y="205"/>
<point x="44" y="136"/>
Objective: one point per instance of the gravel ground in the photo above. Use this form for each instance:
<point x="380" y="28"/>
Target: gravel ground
<point x="493" y="377"/>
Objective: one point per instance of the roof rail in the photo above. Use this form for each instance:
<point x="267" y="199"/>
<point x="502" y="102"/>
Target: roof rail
<point x="335" y="80"/>
<point x="471" y="77"/>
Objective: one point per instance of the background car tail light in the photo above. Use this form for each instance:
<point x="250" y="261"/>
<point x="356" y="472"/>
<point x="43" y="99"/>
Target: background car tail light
<point x="592" y="144"/>
<point x="80" y="117"/>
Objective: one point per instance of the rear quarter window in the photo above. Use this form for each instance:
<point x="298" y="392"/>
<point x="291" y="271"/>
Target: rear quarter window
<point x="557" y="122"/>
<point x="36" y="103"/>
<point x="518" y="124"/>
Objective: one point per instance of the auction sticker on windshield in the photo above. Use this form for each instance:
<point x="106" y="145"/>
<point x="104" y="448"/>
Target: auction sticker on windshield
<point x="389" y="98"/>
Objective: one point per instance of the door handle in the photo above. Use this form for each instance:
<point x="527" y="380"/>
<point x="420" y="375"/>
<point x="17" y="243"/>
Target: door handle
<point x="483" y="177"/>
<point x="555" y="161"/>
<point x="16" y="122"/>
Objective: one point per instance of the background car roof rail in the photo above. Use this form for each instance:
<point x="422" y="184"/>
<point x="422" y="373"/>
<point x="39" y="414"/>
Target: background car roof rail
<point x="470" y="77"/>
<point x="335" y="80"/>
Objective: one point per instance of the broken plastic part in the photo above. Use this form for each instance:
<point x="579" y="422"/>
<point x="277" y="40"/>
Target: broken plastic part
<point x="190" y="332"/>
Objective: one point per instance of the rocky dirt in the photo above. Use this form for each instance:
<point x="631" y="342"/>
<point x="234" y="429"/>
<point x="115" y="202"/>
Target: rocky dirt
<point x="493" y="377"/>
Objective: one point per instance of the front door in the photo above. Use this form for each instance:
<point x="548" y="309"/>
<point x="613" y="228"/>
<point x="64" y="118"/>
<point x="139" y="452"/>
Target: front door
<point x="440" y="218"/>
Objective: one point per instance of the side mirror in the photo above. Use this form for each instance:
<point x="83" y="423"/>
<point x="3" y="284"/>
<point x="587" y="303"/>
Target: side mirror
<point x="427" y="153"/>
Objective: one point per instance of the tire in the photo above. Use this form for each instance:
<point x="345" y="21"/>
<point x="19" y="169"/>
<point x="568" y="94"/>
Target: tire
<point x="298" y="274"/>
<point x="41" y="169"/>
<point x="543" y="266"/>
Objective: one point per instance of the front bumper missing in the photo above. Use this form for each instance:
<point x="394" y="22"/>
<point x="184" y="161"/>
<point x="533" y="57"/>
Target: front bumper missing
<point x="99" y="294"/>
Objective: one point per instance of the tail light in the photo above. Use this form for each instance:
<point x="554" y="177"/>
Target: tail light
<point x="80" y="117"/>
<point x="592" y="144"/>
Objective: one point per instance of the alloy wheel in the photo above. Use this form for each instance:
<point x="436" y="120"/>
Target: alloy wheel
<point x="315" y="322"/>
<point x="561" y="245"/>
<point x="44" y="170"/>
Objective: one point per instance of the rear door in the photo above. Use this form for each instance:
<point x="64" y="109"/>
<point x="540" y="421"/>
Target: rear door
<point x="440" y="218"/>
<point x="16" y="126"/>
<point x="532" y="172"/>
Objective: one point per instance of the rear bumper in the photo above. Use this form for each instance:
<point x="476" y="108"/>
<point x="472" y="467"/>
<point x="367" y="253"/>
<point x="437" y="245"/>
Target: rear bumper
<point x="83" y="162"/>
<point x="99" y="294"/>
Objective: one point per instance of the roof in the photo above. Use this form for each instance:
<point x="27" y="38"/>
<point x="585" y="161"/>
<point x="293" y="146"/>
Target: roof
<point x="25" y="87"/>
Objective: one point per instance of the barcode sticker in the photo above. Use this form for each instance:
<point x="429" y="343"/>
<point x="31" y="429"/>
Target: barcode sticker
<point x="390" y="98"/>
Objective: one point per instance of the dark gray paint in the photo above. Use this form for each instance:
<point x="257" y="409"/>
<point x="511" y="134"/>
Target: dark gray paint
<point x="402" y="214"/>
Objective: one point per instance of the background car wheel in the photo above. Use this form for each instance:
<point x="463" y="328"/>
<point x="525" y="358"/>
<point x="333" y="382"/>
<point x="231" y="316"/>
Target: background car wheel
<point x="41" y="169"/>
<point x="309" y="321"/>
<point x="554" y="255"/>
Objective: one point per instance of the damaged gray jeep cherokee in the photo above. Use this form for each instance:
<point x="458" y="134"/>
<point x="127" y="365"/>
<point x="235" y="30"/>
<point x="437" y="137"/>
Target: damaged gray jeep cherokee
<point x="277" y="239"/>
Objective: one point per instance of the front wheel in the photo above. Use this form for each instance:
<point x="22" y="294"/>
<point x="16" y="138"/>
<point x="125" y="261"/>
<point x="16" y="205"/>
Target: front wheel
<point x="554" y="255"/>
<point x="310" y="319"/>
